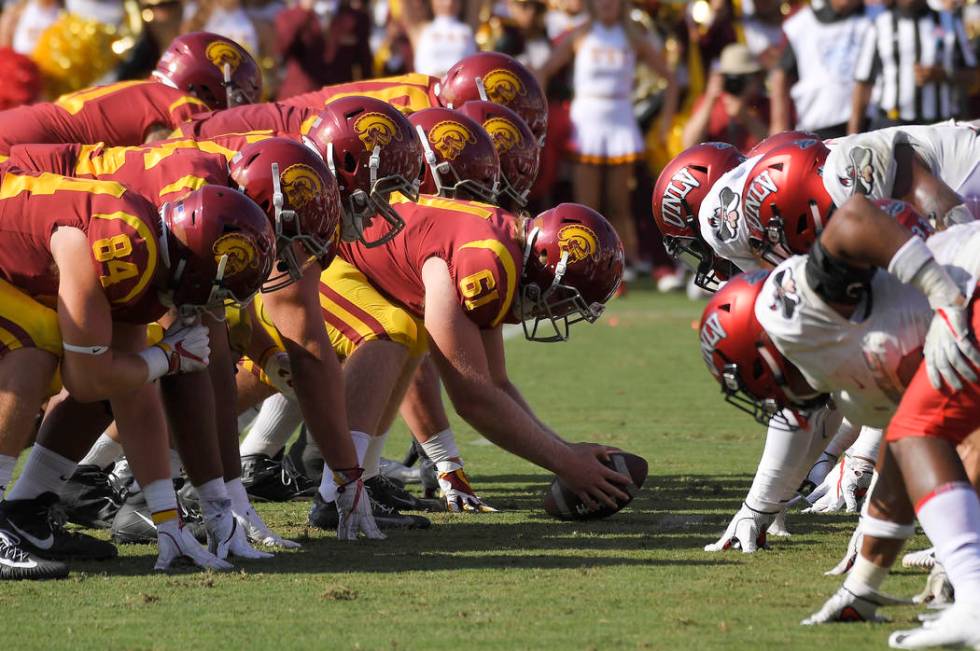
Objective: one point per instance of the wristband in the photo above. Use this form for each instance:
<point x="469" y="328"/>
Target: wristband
<point x="157" y="363"/>
<point x="346" y="476"/>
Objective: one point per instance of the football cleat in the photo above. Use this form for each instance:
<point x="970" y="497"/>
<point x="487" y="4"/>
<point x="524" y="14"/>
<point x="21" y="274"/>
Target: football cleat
<point x="924" y="559"/>
<point x="399" y="472"/>
<point x="938" y="591"/>
<point x="384" y="491"/>
<point x="121" y="478"/>
<point x="429" y="478"/>
<point x="17" y="564"/>
<point x="323" y="515"/>
<point x="40" y="534"/>
<point x="89" y="499"/>
<point x="178" y="544"/>
<point x="958" y="625"/>
<point x="848" y="606"/>
<point x="226" y="538"/>
<point x="306" y="458"/>
<point x="778" y="526"/>
<point x="133" y="524"/>
<point x="274" y="479"/>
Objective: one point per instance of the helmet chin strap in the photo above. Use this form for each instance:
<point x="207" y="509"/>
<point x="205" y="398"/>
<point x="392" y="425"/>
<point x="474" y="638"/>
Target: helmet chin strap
<point x="529" y="240"/>
<point x="164" y="235"/>
<point x="430" y="159"/>
<point x="278" y="201"/>
<point x="481" y="89"/>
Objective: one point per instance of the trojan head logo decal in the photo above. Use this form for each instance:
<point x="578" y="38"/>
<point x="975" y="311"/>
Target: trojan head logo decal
<point x="503" y="86"/>
<point x="301" y="185"/>
<point x="241" y="252"/>
<point x="504" y="134"/>
<point x="579" y="241"/>
<point x="450" y="138"/>
<point x="376" y="130"/>
<point x="219" y="53"/>
<point x="861" y="172"/>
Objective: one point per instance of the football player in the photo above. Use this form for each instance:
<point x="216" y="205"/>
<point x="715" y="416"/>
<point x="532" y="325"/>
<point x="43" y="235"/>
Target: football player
<point x="109" y="264"/>
<point x="198" y="72"/>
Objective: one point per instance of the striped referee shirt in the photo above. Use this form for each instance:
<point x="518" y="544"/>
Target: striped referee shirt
<point x="895" y="44"/>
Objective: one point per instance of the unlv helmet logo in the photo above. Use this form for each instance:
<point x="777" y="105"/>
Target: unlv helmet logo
<point x="758" y="191"/>
<point x="239" y="251"/>
<point x="672" y="203"/>
<point x="376" y="130"/>
<point x="220" y="53"/>
<point x="503" y="86"/>
<point x="450" y="138"/>
<point x="579" y="241"/>
<point x="504" y="134"/>
<point x="301" y="185"/>
<point x="711" y="333"/>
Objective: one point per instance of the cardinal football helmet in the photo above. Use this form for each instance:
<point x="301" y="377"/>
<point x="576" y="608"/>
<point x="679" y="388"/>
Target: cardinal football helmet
<point x="215" y="69"/>
<point x="778" y="140"/>
<point x="460" y="159"/>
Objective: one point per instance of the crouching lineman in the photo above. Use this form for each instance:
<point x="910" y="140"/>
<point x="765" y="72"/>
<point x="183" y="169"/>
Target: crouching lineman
<point x="110" y="264"/>
<point x="836" y="321"/>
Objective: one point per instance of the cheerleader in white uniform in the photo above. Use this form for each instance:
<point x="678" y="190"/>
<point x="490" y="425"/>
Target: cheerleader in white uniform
<point x="606" y="141"/>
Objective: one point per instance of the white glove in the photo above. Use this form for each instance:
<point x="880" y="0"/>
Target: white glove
<point x="259" y="533"/>
<point x="778" y="526"/>
<point x="176" y="542"/>
<point x="226" y="538"/>
<point x="848" y="606"/>
<point x="844" y="488"/>
<point x="850" y="556"/>
<point x="815" y="478"/>
<point x="354" y="507"/>
<point x="280" y="374"/>
<point x="184" y="349"/>
<point x="746" y="531"/>
<point x="457" y="491"/>
<point x="949" y="345"/>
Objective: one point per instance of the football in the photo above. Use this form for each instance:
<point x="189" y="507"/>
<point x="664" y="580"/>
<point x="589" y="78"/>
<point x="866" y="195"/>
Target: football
<point x="563" y="504"/>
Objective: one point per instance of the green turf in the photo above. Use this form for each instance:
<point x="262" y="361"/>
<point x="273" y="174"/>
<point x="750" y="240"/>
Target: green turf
<point x="514" y="580"/>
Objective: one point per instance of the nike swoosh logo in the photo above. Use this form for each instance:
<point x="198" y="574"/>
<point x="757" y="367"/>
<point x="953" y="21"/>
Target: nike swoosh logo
<point x="46" y="543"/>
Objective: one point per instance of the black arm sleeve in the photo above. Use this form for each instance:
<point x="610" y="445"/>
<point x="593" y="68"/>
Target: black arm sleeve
<point x="834" y="280"/>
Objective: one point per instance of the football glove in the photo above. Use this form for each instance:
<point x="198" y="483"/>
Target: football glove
<point x="746" y="531"/>
<point x="280" y="374"/>
<point x="949" y="348"/>
<point x="848" y="606"/>
<point x="187" y="348"/>
<point x="938" y="590"/>
<point x="226" y="538"/>
<point x="354" y="507"/>
<point x="457" y="491"/>
<point x="844" y="488"/>
<point x="177" y="542"/>
<point x="259" y="533"/>
<point x="850" y="555"/>
<point x="778" y="526"/>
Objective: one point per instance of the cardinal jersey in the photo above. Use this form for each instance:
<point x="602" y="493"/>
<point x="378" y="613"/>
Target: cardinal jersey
<point x="722" y="221"/>
<point x="118" y="114"/>
<point x="407" y="93"/>
<point x="476" y="240"/>
<point x="865" y="163"/>
<point x="866" y="360"/>
<point x="270" y="117"/>
<point x="122" y="228"/>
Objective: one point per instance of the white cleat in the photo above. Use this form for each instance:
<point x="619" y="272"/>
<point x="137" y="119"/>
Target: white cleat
<point x="226" y="538"/>
<point x="938" y="591"/>
<point x="259" y="532"/>
<point x="959" y="625"/>
<point x="178" y="543"/>
<point x="778" y="526"/>
<point x="923" y="559"/>
<point x="848" y="606"/>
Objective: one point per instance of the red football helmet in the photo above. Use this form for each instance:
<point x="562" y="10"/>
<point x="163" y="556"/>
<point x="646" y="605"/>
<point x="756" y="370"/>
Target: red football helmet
<point x="778" y="140"/>
<point x="677" y="196"/>
<point x="215" y="69"/>
<point x="906" y="215"/>
<point x="784" y="200"/>
<point x="740" y="355"/>
<point x="292" y="184"/>
<point x="373" y="151"/>
<point x="460" y="159"/>
<point x="518" y="150"/>
<point x="573" y="264"/>
<point x="498" y="78"/>
<point x="219" y="248"/>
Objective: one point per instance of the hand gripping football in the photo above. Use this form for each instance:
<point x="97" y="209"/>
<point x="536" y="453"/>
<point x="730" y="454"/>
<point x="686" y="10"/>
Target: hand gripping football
<point x="563" y="504"/>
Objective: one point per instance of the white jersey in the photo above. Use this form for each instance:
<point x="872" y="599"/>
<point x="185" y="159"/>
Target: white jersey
<point x="861" y="361"/>
<point x="605" y="64"/>
<point x="721" y="220"/>
<point x="865" y="163"/>
<point x="441" y="44"/>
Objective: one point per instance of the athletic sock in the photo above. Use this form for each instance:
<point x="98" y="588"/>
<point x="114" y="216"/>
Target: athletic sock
<point x="865" y="576"/>
<point x="441" y="448"/>
<point x="214" y="498"/>
<point x="328" y="489"/>
<point x="372" y="458"/>
<point x="277" y="420"/>
<point x="161" y="500"/>
<point x="103" y="454"/>
<point x="950" y="516"/>
<point x="6" y="471"/>
<point x="44" y="472"/>
<point x="240" y="503"/>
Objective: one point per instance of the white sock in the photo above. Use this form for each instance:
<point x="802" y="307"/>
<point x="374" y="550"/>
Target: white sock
<point x="6" y="471"/>
<point x="161" y="500"/>
<point x="865" y="576"/>
<point x="372" y="458"/>
<point x="176" y="467"/>
<point x="867" y="444"/>
<point x="239" y="498"/>
<point x="214" y="498"/>
<point x="247" y="417"/>
<point x="103" y="454"/>
<point x="950" y="516"/>
<point x="44" y="472"/>
<point x="277" y="420"/>
<point x="328" y="488"/>
<point x="843" y="439"/>
<point x="441" y="446"/>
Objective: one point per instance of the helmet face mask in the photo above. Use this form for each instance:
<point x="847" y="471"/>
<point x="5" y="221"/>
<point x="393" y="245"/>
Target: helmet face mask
<point x="213" y="68"/>
<point x="448" y="182"/>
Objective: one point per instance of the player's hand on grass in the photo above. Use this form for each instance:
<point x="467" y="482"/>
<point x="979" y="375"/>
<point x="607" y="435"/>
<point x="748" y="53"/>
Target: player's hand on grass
<point x="844" y="488"/>
<point x="853" y="606"/>
<point x="277" y="368"/>
<point x="176" y="542"/>
<point x="259" y="532"/>
<point x="354" y="507"/>
<point x="778" y="526"/>
<point x="457" y="490"/>
<point x="226" y="538"/>
<point x="853" y="548"/>
<point x="594" y="483"/>
<point x="746" y="531"/>
<point x="818" y="472"/>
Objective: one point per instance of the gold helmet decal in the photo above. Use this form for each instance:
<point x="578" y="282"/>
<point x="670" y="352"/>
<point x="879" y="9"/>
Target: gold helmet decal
<point x="301" y="185"/>
<point x="504" y="133"/>
<point x="241" y="252"/>
<point x="376" y="129"/>
<point x="220" y="52"/>
<point x="579" y="241"/>
<point x="450" y="138"/>
<point x="503" y="86"/>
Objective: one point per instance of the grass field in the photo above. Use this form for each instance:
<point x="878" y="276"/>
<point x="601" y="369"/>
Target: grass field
<point x="517" y="579"/>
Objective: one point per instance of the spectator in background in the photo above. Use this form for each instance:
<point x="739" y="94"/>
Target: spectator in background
<point x="523" y="34"/>
<point x="923" y="64"/>
<point x="22" y="23"/>
<point x="224" y="17"/>
<point x="161" y="24"/>
<point x="606" y="140"/>
<point x="564" y="15"/>
<point x="444" y="40"/>
<point x="734" y="108"/>
<point x="762" y="28"/>
<point x="823" y="41"/>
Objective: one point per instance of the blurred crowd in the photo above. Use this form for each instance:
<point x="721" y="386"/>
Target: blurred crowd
<point x="630" y="84"/>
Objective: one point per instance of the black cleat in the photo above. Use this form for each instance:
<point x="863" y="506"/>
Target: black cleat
<point x="323" y="515"/>
<point x="429" y="478"/>
<point x="384" y="491"/>
<point x="89" y="499"/>
<point x="133" y="524"/>
<point x="17" y="564"/>
<point x="38" y="533"/>
<point x="274" y="479"/>
<point x="306" y="458"/>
